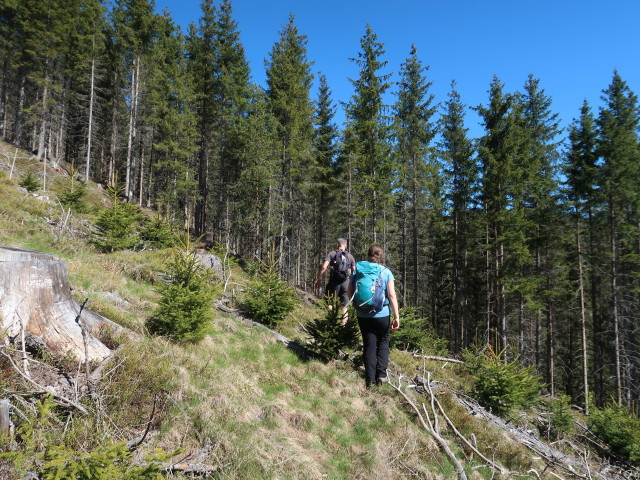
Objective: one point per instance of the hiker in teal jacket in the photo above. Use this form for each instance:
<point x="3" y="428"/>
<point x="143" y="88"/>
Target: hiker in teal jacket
<point x="376" y="326"/>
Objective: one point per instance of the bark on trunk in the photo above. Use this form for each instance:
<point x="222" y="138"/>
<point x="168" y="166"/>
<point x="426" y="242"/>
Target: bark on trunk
<point x="37" y="302"/>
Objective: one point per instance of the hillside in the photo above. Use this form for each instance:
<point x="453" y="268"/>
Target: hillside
<point x="240" y="404"/>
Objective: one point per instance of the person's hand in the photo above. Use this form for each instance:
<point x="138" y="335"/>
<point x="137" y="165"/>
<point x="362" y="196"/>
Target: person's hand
<point x="395" y="325"/>
<point x="316" y="282"/>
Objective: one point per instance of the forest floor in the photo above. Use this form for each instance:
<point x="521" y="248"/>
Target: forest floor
<point x="239" y="404"/>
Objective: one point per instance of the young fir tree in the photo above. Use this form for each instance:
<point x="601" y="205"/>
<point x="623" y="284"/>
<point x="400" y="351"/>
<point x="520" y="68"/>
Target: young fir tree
<point x="619" y="151"/>
<point x="329" y="337"/>
<point x="184" y="309"/>
<point x="367" y="143"/>
<point x="462" y="171"/>
<point x="288" y="92"/>
<point x="416" y="171"/>
<point x="116" y="226"/>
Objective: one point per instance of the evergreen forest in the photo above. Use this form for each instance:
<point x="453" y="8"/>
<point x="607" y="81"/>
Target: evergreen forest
<point x="525" y="238"/>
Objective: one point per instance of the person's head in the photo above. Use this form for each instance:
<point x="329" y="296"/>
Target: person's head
<point x="341" y="243"/>
<point x="375" y="254"/>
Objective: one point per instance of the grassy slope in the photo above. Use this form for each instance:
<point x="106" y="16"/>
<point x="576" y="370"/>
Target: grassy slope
<point x="266" y="412"/>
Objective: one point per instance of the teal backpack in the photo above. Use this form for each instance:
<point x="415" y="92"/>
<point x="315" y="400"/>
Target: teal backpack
<point x="369" y="287"/>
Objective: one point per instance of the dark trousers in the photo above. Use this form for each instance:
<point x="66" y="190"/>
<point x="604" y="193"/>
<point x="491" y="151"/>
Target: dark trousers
<point x="375" y="336"/>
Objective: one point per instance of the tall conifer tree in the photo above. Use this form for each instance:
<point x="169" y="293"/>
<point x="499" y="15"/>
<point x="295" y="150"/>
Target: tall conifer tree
<point x="618" y="148"/>
<point x="416" y="171"/>
<point x="367" y="143"/>
<point x="289" y="80"/>
<point x="460" y="166"/>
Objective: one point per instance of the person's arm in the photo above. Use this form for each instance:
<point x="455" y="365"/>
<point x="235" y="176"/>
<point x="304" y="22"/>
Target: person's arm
<point x="393" y="303"/>
<point x="323" y="268"/>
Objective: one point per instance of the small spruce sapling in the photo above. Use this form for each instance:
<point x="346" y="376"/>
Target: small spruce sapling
<point x="328" y="336"/>
<point x="268" y="298"/>
<point x="416" y="335"/>
<point x="503" y="386"/>
<point x="185" y="307"/>
<point x="117" y="226"/>
<point x="29" y="183"/>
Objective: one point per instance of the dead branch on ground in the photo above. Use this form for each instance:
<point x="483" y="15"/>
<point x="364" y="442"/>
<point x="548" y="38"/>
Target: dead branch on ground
<point x="41" y="389"/>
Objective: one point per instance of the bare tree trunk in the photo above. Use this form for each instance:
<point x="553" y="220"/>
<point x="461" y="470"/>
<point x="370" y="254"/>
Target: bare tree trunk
<point x="43" y="119"/>
<point x="3" y="97"/>
<point x="133" y="120"/>
<point x="19" y="107"/>
<point x="90" y="120"/>
<point x="615" y="302"/>
<point x="583" y="324"/>
<point x="551" y="351"/>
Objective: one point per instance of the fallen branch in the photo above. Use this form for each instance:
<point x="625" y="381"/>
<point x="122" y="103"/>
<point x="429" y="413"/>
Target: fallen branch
<point x="492" y="464"/>
<point x="132" y="445"/>
<point x="438" y="359"/>
<point x="280" y="338"/>
<point x="429" y="426"/>
<point x="188" y="468"/>
<point x="43" y="390"/>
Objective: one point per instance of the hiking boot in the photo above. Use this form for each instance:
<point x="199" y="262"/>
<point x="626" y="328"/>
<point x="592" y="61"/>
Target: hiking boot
<point x="380" y="380"/>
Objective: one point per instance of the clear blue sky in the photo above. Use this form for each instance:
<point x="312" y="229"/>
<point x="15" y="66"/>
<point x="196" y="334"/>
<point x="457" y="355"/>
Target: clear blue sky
<point x="572" y="46"/>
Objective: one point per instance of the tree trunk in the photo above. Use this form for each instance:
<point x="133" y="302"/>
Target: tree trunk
<point x="583" y="324"/>
<point x="37" y="302"/>
<point x="90" y="119"/>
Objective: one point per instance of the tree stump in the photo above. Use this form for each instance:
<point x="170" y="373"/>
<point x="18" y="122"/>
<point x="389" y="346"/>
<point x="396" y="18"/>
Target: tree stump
<point x="5" y="418"/>
<point x="36" y="306"/>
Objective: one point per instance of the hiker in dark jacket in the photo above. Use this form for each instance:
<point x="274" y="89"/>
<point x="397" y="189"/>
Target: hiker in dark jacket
<point x="376" y="326"/>
<point x="342" y="266"/>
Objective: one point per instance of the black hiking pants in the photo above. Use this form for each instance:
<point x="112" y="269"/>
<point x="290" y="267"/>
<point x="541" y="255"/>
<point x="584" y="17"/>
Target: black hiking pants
<point x="375" y="336"/>
<point x="339" y="288"/>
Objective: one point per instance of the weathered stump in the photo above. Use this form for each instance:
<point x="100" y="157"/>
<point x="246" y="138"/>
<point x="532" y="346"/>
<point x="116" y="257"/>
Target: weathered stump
<point x="36" y="301"/>
<point x="5" y="417"/>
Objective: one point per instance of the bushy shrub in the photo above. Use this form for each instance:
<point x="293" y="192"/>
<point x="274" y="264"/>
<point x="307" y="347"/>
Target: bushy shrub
<point x="116" y="227"/>
<point x="619" y="429"/>
<point x="328" y="336"/>
<point x="185" y="307"/>
<point x="503" y="386"/>
<point x="415" y="334"/>
<point x="29" y="183"/>
<point x="268" y="298"/>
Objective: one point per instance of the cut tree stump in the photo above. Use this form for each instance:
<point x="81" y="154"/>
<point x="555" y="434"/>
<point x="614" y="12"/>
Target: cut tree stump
<point x="36" y="307"/>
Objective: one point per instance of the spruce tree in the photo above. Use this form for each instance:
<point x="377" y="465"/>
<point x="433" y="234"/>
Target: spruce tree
<point x="367" y="143"/>
<point x="169" y="181"/>
<point x="289" y="80"/>
<point x="462" y="173"/>
<point x="231" y="96"/>
<point x="619" y="151"/>
<point x="502" y="152"/>
<point x="581" y="172"/>
<point x="416" y="172"/>
<point x="326" y="184"/>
